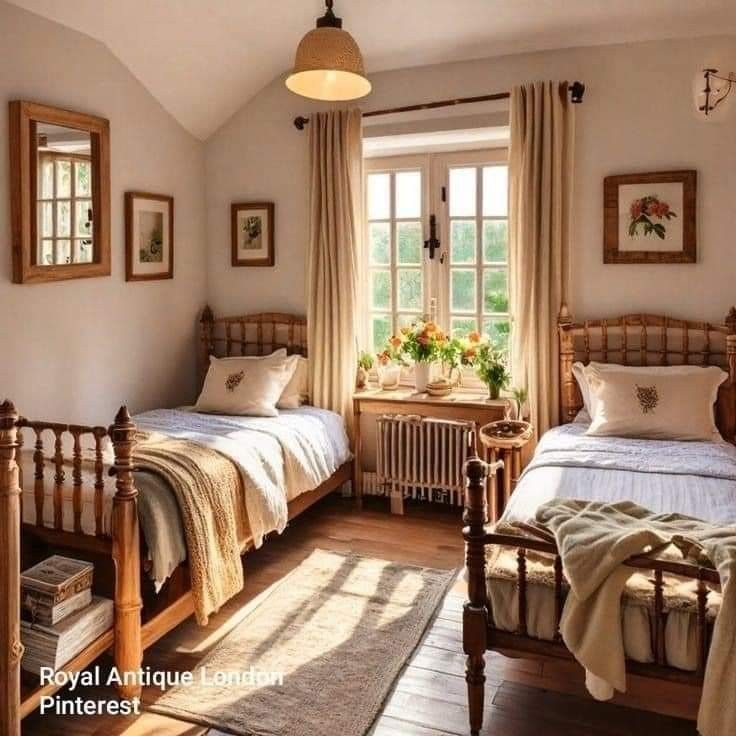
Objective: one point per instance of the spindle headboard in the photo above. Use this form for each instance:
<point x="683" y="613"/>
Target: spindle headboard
<point x="250" y="334"/>
<point x="648" y="340"/>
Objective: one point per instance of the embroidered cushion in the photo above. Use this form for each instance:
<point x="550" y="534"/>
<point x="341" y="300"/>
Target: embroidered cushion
<point x="673" y="403"/>
<point x="247" y="386"/>
<point x="297" y="390"/>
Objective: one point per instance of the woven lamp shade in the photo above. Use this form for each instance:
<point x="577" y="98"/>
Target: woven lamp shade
<point x="329" y="66"/>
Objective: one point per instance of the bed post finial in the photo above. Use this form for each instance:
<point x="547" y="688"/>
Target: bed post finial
<point x="207" y="345"/>
<point x="564" y="317"/>
<point x="11" y="649"/>
<point x="127" y="648"/>
<point x="731" y="343"/>
<point x="475" y="610"/>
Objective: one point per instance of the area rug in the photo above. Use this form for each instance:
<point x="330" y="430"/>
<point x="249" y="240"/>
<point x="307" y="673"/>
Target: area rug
<point x="319" y="655"/>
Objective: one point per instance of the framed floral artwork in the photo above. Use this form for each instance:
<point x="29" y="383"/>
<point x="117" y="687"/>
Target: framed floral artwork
<point x="650" y="218"/>
<point x="149" y="236"/>
<point x="252" y="234"/>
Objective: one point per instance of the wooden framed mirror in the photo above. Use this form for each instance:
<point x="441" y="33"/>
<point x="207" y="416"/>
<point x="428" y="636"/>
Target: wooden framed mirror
<point x="60" y="193"/>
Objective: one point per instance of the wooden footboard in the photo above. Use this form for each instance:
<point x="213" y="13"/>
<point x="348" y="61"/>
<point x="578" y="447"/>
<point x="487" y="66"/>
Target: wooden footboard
<point x="480" y="634"/>
<point x="123" y="544"/>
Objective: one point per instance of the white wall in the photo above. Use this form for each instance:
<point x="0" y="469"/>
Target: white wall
<point x="75" y="350"/>
<point x="637" y="116"/>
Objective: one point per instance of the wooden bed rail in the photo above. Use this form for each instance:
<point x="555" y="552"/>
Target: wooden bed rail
<point x="127" y="648"/>
<point x="77" y="433"/>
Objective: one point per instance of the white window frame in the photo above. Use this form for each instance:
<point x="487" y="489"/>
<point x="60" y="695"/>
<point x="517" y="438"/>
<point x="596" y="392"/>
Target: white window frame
<point x="393" y="165"/>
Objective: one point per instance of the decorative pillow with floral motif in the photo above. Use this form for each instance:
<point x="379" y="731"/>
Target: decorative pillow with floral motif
<point x="246" y="386"/>
<point x="654" y="403"/>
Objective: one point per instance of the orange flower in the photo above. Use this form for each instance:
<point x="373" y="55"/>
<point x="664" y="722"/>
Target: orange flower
<point x="441" y="337"/>
<point x="430" y="327"/>
<point x="405" y="330"/>
<point x="469" y="353"/>
<point x="474" y="336"/>
<point x="395" y="341"/>
<point x="384" y="358"/>
<point x="423" y="339"/>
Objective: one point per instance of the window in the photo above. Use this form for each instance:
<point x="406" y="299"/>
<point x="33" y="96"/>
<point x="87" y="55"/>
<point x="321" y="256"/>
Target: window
<point x="478" y="248"/>
<point x="65" y="209"/>
<point x="396" y="273"/>
<point x="466" y="285"/>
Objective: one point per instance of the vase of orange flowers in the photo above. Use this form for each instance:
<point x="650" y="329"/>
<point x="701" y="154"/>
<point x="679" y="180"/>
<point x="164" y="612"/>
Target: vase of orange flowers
<point x="420" y="343"/>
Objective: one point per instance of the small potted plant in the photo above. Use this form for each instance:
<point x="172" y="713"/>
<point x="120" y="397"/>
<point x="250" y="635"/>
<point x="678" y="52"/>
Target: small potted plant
<point x="521" y="396"/>
<point x="389" y="364"/>
<point x="490" y="367"/>
<point x="365" y="363"/>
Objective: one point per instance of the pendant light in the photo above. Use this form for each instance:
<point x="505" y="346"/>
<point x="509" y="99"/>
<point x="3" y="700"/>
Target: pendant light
<point x="328" y="64"/>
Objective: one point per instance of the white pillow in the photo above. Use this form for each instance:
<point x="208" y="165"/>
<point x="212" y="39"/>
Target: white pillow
<point x="297" y="390"/>
<point x="578" y="371"/>
<point x="654" y="403"/>
<point x="245" y="386"/>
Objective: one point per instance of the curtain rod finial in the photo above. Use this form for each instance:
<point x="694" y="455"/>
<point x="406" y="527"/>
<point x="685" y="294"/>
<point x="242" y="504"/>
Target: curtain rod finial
<point x="300" y="122"/>
<point x="577" y="90"/>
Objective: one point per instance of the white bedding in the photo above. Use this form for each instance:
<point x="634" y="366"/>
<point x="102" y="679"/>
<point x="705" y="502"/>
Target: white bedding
<point x="279" y="458"/>
<point x="693" y="478"/>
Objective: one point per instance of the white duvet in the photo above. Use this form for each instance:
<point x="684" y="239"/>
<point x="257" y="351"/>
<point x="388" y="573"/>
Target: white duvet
<point x="693" y="478"/>
<point x="279" y="458"/>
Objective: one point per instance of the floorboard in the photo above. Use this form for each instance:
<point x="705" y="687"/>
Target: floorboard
<point x="523" y="697"/>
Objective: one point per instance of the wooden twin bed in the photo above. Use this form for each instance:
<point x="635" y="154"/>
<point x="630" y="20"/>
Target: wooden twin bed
<point x="141" y="616"/>
<point x="643" y="340"/>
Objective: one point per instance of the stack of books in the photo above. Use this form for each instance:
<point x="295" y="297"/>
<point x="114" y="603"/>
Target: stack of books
<point x="60" y="616"/>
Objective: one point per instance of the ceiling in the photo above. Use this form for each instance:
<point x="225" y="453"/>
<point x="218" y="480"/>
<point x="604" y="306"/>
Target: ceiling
<point x="204" y="59"/>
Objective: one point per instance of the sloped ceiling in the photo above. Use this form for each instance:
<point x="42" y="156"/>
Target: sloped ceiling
<point x="204" y="59"/>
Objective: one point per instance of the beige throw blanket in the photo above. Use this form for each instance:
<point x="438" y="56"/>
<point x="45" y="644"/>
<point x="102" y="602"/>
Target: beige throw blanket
<point x="594" y="538"/>
<point x="209" y="494"/>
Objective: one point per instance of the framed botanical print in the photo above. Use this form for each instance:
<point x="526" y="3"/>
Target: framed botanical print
<point x="149" y="236"/>
<point x="252" y="234"/>
<point x="650" y="218"/>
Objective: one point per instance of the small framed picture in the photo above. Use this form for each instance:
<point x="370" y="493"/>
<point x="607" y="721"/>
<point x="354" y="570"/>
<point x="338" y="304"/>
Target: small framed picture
<point x="650" y="218"/>
<point x="252" y="234"/>
<point x="149" y="236"/>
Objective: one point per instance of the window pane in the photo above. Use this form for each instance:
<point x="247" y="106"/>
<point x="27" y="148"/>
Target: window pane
<point x="461" y="326"/>
<point x="63" y="179"/>
<point x="497" y="331"/>
<point x="379" y="236"/>
<point x="63" y="251"/>
<point x="462" y="192"/>
<point x="462" y="290"/>
<point x="379" y="195"/>
<point x="63" y="219"/>
<point x="82" y="251"/>
<point x="381" y="289"/>
<point x="46" y="253"/>
<point x="380" y="330"/>
<point x="46" y="216"/>
<point x="83" y="184"/>
<point x="83" y="218"/>
<point x="495" y="241"/>
<point x="495" y="191"/>
<point x="495" y="291"/>
<point x="405" y="320"/>
<point x="462" y="241"/>
<point x="408" y="194"/>
<point x="47" y="180"/>
<point x="409" y="236"/>
<point x="410" y="289"/>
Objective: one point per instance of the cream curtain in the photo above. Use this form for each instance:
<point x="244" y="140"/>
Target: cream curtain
<point x="336" y="200"/>
<point x="540" y="193"/>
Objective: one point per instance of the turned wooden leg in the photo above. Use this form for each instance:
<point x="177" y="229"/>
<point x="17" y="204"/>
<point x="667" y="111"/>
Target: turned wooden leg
<point x="475" y="622"/>
<point x="127" y="649"/>
<point x="11" y="650"/>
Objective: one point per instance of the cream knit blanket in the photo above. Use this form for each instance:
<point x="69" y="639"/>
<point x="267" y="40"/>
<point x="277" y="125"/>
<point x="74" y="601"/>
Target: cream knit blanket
<point x="209" y="494"/>
<point x="594" y="539"/>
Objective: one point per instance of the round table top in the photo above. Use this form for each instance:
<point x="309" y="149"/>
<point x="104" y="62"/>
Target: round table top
<point x="506" y="434"/>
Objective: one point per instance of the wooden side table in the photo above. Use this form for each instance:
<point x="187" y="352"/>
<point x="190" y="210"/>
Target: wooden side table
<point x="459" y="405"/>
<point x="504" y="441"/>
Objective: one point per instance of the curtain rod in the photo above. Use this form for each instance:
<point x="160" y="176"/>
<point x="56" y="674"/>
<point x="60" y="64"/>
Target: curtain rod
<point x="576" y="89"/>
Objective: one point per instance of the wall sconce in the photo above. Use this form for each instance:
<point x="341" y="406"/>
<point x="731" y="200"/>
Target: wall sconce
<point x="713" y="90"/>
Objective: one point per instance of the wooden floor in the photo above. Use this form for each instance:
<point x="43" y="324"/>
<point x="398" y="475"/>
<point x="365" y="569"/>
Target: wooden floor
<point x="523" y="697"/>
